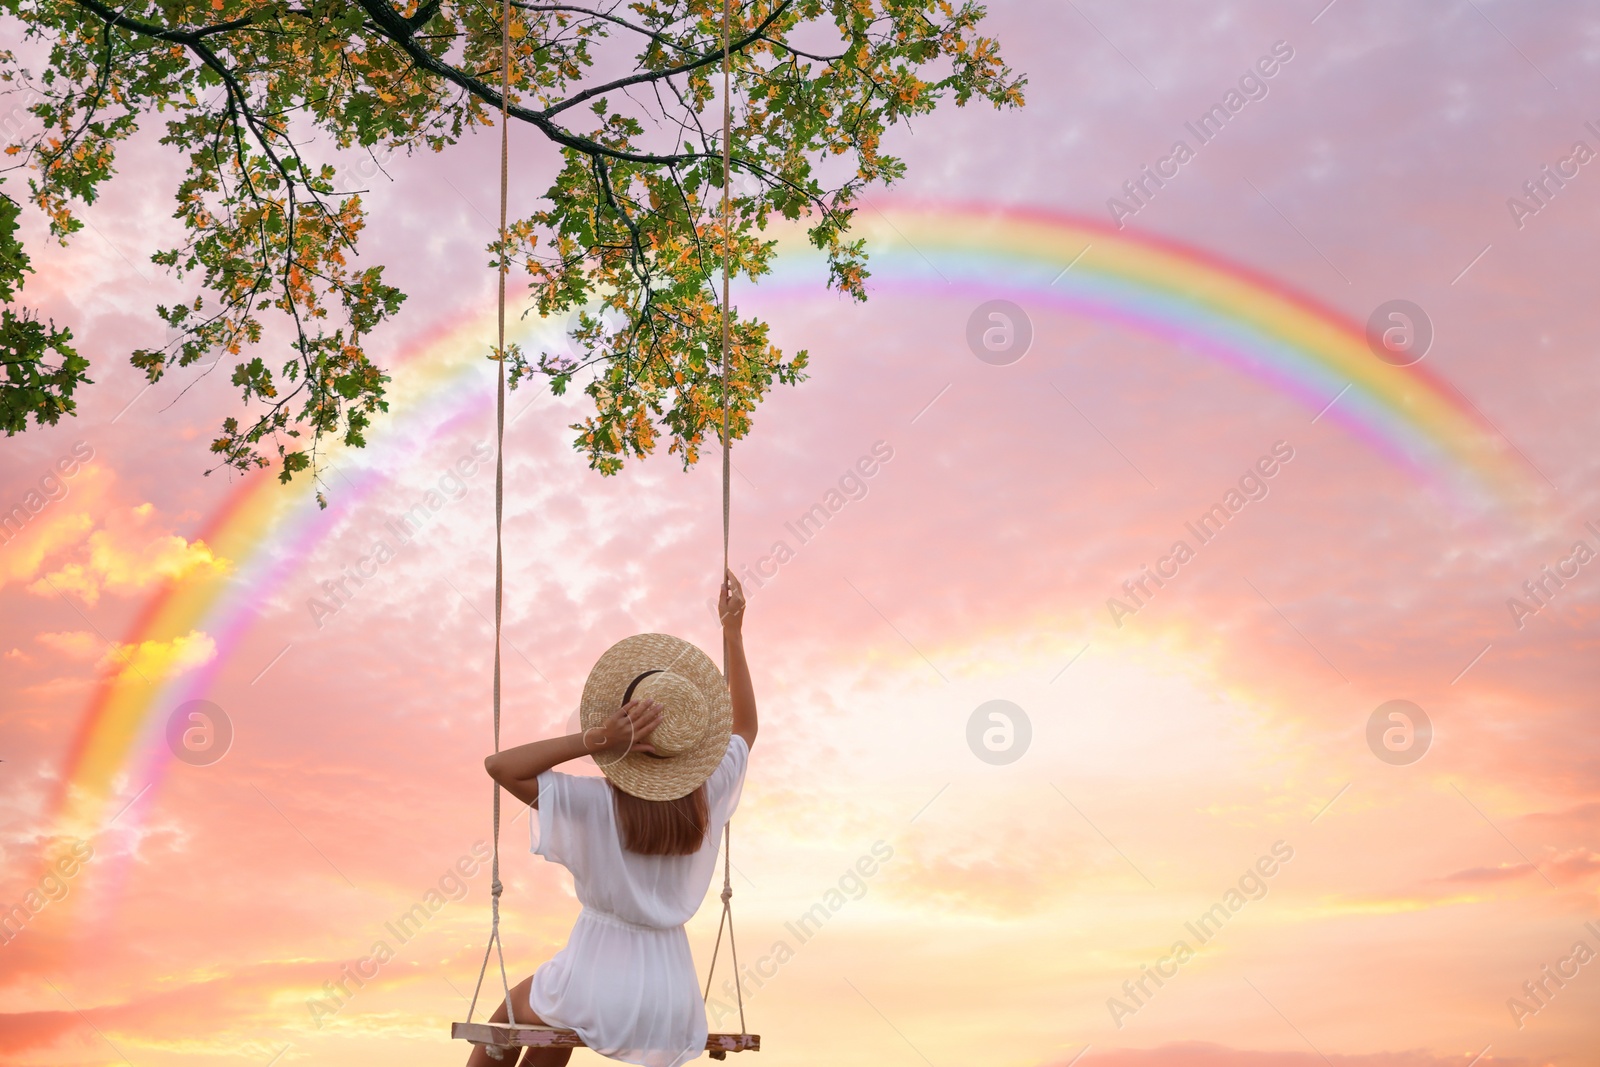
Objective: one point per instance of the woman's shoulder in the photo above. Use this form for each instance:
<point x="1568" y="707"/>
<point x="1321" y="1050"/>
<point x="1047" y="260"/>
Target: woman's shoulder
<point x="731" y="769"/>
<point x="574" y="790"/>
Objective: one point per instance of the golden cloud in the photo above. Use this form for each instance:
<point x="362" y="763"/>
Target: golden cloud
<point x="74" y="644"/>
<point x="123" y="557"/>
<point x="25" y="555"/>
<point x="157" y="660"/>
<point x="40" y="526"/>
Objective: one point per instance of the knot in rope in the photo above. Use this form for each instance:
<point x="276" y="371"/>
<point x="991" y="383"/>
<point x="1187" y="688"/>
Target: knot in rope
<point x="727" y="893"/>
<point x="495" y="887"/>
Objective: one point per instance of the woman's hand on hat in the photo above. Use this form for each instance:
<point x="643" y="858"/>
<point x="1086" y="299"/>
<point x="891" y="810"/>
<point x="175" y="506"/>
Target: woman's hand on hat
<point x="730" y="602"/>
<point x="628" y="728"/>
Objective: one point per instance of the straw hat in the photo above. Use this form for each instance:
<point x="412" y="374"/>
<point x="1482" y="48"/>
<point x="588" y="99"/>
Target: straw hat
<point x="696" y="717"/>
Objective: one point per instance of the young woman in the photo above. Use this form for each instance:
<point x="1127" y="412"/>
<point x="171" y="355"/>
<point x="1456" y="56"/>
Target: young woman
<point x="671" y="737"/>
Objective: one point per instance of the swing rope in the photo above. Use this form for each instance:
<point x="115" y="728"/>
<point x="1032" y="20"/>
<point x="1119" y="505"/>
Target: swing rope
<point x="495" y="887"/>
<point x="727" y="463"/>
<point x="727" y="446"/>
<point x="495" y="945"/>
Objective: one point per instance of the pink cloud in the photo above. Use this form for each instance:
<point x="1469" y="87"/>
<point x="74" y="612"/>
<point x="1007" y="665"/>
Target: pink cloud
<point x="1502" y="873"/>
<point x="1202" y="1054"/>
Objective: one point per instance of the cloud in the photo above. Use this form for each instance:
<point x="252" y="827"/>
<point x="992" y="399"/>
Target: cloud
<point x="80" y="542"/>
<point x="1007" y="873"/>
<point x="50" y="533"/>
<point x="1477" y="885"/>
<point x="1574" y="865"/>
<point x="242" y="1008"/>
<point x="1206" y="1054"/>
<point x="49" y="517"/>
<point x="74" y="644"/>
<point x="1582" y="820"/>
<point x="162" y="659"/>
<point x="1480" y="875"/>
<point x="199" y="1009"/>
<point x="124" y="557"/>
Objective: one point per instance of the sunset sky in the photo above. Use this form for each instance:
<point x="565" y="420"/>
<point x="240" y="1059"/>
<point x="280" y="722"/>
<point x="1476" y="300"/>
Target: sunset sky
<point x="1207" y="742"/>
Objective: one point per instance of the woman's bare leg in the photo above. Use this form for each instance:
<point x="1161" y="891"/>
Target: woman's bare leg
<point x="533" y="1057"/>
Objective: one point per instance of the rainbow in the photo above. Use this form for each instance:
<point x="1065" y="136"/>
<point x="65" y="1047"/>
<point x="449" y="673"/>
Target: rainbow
<point x="1157" y="287"/>
<point x="1202" y="303"/>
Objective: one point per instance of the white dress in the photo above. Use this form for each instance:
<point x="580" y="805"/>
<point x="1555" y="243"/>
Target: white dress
<point x="625" y="980"/>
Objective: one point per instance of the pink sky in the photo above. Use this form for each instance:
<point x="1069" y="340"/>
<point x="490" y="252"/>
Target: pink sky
<point x="1171" y="755"/>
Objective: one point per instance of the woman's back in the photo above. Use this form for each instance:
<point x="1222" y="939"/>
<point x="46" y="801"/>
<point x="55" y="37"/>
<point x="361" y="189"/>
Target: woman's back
<point x="577" y="828"/>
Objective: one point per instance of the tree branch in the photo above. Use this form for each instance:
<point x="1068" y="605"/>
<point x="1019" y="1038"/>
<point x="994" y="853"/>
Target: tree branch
<point x="659" y="38"/>
<point x="161" y="33"/>
<point x="669" y="72"/>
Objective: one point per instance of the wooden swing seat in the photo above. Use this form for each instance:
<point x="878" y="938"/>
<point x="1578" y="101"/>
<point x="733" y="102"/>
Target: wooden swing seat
<point x="504" y="1035"/>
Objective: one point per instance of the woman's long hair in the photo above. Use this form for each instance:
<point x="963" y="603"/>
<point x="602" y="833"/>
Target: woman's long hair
<point x="661" y="827"/>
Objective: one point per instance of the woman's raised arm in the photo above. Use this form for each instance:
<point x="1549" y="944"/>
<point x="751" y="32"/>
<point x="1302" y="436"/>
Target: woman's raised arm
<point x="518" y="769"/>
<point x="730" y="605"/>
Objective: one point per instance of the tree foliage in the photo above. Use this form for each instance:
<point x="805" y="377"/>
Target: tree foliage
<point x="41" y="368"/>
<point x="630" y="230"/>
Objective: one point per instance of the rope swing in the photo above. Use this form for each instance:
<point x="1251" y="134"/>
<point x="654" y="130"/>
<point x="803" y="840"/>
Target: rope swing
<point x="727" y="463"/>
<point x="497" y="1038"/>
<point x="495" y="887"/>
